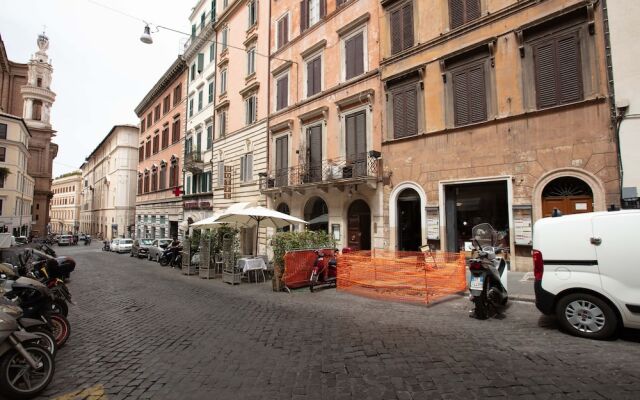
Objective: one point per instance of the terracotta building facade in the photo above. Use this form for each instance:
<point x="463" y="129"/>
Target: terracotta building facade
<point x="325" y="127"/>
<point x="495" y="111"/>
<point x="160" y="151"/>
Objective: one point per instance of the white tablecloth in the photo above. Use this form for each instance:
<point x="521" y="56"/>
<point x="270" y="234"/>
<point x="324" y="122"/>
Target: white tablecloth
<point x="251" y="264"/>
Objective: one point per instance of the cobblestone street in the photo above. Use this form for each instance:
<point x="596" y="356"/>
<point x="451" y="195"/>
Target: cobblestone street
<point x="143" y="331"/>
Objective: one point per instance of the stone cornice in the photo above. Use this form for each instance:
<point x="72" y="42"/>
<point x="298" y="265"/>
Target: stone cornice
<point x="167" y="79"/>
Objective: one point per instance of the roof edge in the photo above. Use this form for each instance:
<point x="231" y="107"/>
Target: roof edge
<point x="178" y="66"/>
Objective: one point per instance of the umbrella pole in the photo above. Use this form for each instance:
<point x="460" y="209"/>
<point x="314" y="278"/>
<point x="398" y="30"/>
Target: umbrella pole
<point x="257" y="234"/>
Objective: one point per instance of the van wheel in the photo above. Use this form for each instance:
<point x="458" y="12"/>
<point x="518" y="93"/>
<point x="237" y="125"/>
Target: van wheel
<point x="587" y="316"/>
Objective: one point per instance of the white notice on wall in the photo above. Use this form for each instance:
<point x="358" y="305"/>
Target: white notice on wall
<point x="522" y="226"/>
<point x="581" y="206"/>
<point x="433" y="224"/>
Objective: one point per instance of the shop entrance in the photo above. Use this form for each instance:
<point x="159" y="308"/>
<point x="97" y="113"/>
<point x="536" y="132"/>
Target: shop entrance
<point x="409" y="221"/>
<point x="359" y="226"/>
<point x="470" y="204"/>
<point x="567" y="194"/>
<point x="316" y="213"/>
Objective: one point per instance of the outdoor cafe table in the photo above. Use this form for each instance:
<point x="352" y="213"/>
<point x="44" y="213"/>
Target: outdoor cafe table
<point x="251" y="264"/>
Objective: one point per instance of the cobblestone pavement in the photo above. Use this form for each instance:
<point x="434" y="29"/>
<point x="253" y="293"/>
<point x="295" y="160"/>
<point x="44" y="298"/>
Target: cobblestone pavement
<point x="143" y="331"/>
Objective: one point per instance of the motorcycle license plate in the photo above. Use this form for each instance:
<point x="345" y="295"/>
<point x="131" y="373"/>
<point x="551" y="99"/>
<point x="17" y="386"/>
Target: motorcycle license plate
<point x="476" y="282"/>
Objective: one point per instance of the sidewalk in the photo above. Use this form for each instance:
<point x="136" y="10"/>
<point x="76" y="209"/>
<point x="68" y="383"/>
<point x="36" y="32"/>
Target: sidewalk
<point x="520" y="286"/>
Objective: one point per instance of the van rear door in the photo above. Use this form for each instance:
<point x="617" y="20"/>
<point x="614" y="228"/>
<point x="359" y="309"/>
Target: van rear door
<point x="618" y="234"/>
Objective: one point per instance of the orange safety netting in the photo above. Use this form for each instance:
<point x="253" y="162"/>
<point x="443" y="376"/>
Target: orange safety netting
<point x="298" y="265"/>
<point x="406" y="276"/>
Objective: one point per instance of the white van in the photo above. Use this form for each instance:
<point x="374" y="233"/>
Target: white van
<point x="587" y="272"/>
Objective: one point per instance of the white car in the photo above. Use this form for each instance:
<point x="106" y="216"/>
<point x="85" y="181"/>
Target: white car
<point x="121" y="245"/>
<point x="65" y="240"/>
<point x="586" y="271"/>
<point x="115" y="244"/>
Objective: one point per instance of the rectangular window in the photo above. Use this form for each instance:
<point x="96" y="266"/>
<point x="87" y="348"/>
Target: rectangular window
<point x="246" y="168"/>
<point x="222" y="123"/>
<point x="146" y="182"/>
<point x="311" y="11"/>
<point x="154" y="181"/>
<point x="141" y="153"/>
<point x="282" y="36"/>
<point x="177" y="95"/>
<point x="175" y="135"/>
<point x="191" y="107"/>
<point x="210" y="97"/>
<point x="165" y="138"/>
<point x="140" y="184"/>
<point x="250" y="110"/>
<point x="187" y="185"/>
<point x="469" y="94"/>
<point x="405" y="110"/>
<point x="225" y="37"/>
<point x="558" y="70"/>
<point x="223" y="81"/>
<point x="282" y="92"/>
<point x="314" y="76"/>
<point x="203" y="18"/>
<point x="173" y="174"/>
<point x="166" y="104"/>
<point x="156" y="144"/>
<point x="200" y="62"/>
<point x="149" y="120"/>
<point x="220" y="173"/>
<point x="356" y="144"/>
<point x="401" y="26"/>
<point x="193" y="71"/>
<point x="3" y="131"/>
<point x="209" y="137"/>
<point x="251" y="61"/>
<point x="148" y="149"/>
<point x="354" y="55"/>
<point x="200" y="100"/>
<point x="162" y="181"/>
<point x="143" y="126"/>
<point x="463" y="11"/>
<point x="253" y="12"/>
<point x="282" y="161"/>
<point x="212" y="52"/>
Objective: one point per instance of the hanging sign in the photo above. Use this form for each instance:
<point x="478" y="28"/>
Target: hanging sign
<point x="227" y="181"/>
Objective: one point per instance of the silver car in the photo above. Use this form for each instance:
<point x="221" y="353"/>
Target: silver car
<point x="65" y="240"/>
<point x="157" y="247"/>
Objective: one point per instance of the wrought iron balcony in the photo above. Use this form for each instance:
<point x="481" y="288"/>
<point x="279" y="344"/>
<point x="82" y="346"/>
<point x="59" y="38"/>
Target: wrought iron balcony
<point x="337" y="171"/>
<point x="193" y="161"/>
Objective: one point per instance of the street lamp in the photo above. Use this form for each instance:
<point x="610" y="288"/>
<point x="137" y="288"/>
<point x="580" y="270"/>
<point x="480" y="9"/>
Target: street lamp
<point x="146" y="35"/>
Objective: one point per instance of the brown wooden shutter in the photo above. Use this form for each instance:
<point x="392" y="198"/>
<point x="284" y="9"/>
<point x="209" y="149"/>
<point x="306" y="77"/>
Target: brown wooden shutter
<point x="460" y="98"/>
<point x="544" y="62"/>
<point x="316" y="75"/>
<point x="350" y="132"/>
<point x="282" y="93"/>
<point x="285" y="30"/>
<point x="279" y="40"/>
<point x="411" y="110"/>
<point x="310" y="70"/>
<point x="569" y="69"/>
<point x="349" y="55"/>
<point x="398" y="114"/>
<point x="472" y="10"/>
<point x="456" y="13"/>
<point x="396" y="31"/>
<point x="477" y="94"/>
<point x="282" y="160"/>
<point x="407" y="26"/>
<point x="358" y="54"/>
<point x="304" y="15"/>
<point x="323" y="8"/>
<point x="314" y="151"/>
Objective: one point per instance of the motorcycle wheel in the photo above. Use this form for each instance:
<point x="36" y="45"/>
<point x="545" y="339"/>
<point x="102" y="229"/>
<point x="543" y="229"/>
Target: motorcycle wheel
<point x="60" y="307"/>
<point x="18" y="380"/>
<point x="481" y="310"/>
<point x="313" y="281"/>
<point x="164" y="261"/>
<point x="61" y="329"/>
<point x="46" y="339"/>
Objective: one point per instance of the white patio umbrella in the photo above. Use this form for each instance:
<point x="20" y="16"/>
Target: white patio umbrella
<point x="259" y="216"/>
<point x="213" y="221"/>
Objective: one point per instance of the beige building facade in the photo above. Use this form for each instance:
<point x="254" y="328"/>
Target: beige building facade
<point x="16" y="185"/>
<point x="64" y="211"/>
<point x="109" y="177"/>
<point x="160" y="152"/>
<point x="496" y="111"/>
<point x="326" y="114"/>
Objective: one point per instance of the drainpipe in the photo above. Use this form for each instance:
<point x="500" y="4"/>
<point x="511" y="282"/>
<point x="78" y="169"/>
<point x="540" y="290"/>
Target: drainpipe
<point x="268" y="104"/>
<point x="616" y="119"/>
<point x="215" y="100"/>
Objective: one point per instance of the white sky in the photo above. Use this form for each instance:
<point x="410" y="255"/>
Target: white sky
<point x="101" y="70"/>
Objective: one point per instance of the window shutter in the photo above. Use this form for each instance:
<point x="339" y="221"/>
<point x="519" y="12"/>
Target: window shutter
<point x="456" y="13"/>
<point x="396" y="31"/>
<point x="280" y="36"/>
<point x="323" y="8"/>
<point x="350" y="130"/>
<point x="285" y="30"/>
<point x="472" y="10"/>
<point x="407" y="26"/>
<point x="317" y="67"/>
<point x="398" y="114"/>
<point x="477" y="94"/>
<point x="361" y="138"/>
<point x="220" y="173"/>
<point x="545" y="75"/>
<point x="200" y="62"/>
<point x="358" y="54"/>
<point x="569" y="70"/>
<point x="460" y="100"/>
<point x="310" y="80"/>
<point x="304" y="15"/>
<point x="249" y="170"/>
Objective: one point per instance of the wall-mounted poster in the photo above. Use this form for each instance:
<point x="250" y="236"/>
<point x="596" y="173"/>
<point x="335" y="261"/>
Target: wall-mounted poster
<point x="433" y="223"/>
<point x="522" y="222"/>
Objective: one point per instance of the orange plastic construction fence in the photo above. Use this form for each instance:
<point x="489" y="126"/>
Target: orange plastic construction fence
<point x="298" y="265"/>
<point x="406" y="276"/>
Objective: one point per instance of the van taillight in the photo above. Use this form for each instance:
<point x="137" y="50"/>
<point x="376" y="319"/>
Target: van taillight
<point x="538" y="264"/>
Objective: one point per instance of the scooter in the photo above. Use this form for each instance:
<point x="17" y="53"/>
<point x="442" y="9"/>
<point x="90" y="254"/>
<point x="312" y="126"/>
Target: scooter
<point x="34" y="326"/>
<point x="488" y="280"/>
<point x="106" y="246"/>
<point x="26" y="368"/>
<point x="171" y="257"/>
<point x="87" y="241"/>
<point x="324" y="273"/>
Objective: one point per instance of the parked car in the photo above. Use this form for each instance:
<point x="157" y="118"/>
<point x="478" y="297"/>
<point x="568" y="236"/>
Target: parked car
<point x="157" y="247"/>
<point x="65" y="240"/>
<point x="21" y="240"/>
<point x="585" y="271"/>
<point x="115" y="243"/>
<point x="125" y="245"/>
<point x="140" y="247"/>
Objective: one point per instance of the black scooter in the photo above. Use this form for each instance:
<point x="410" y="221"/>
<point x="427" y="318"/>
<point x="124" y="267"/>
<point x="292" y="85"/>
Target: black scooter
<point x="106" y="246"/>
<point x="172" y="257"/>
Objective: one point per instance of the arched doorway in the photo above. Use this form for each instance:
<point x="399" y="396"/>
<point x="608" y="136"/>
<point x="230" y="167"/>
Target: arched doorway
<point x="568" y="194"/>
<point x="409" y="221"/>
<point x="359" y="226"/>
<point x="284" y="208"/>
<point x="316" y="213"/>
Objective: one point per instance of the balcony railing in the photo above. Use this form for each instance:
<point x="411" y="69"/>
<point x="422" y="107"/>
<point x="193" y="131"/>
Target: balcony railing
<point x="193" y="161"/>
<point x="335" y="170"/>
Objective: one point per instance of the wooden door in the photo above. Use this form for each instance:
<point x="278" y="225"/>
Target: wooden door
<point x="356" y="130"/>
<point x="314" y="153"/>
<point x="567" y="205"/>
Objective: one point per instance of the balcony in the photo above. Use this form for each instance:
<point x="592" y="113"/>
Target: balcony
<point x="337" y="172"/>
<point x="193" y="162"/>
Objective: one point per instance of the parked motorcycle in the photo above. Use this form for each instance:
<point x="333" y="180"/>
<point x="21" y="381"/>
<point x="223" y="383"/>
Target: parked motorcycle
<point x="488" y="273"/>
<point x="26" y="368"/>
<point x="324" y="273"/>
<point x="48" y="273"/>
<point x="171" y="257"/>
<point x="34" y="326"/>
<point x="106" y="246"/>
